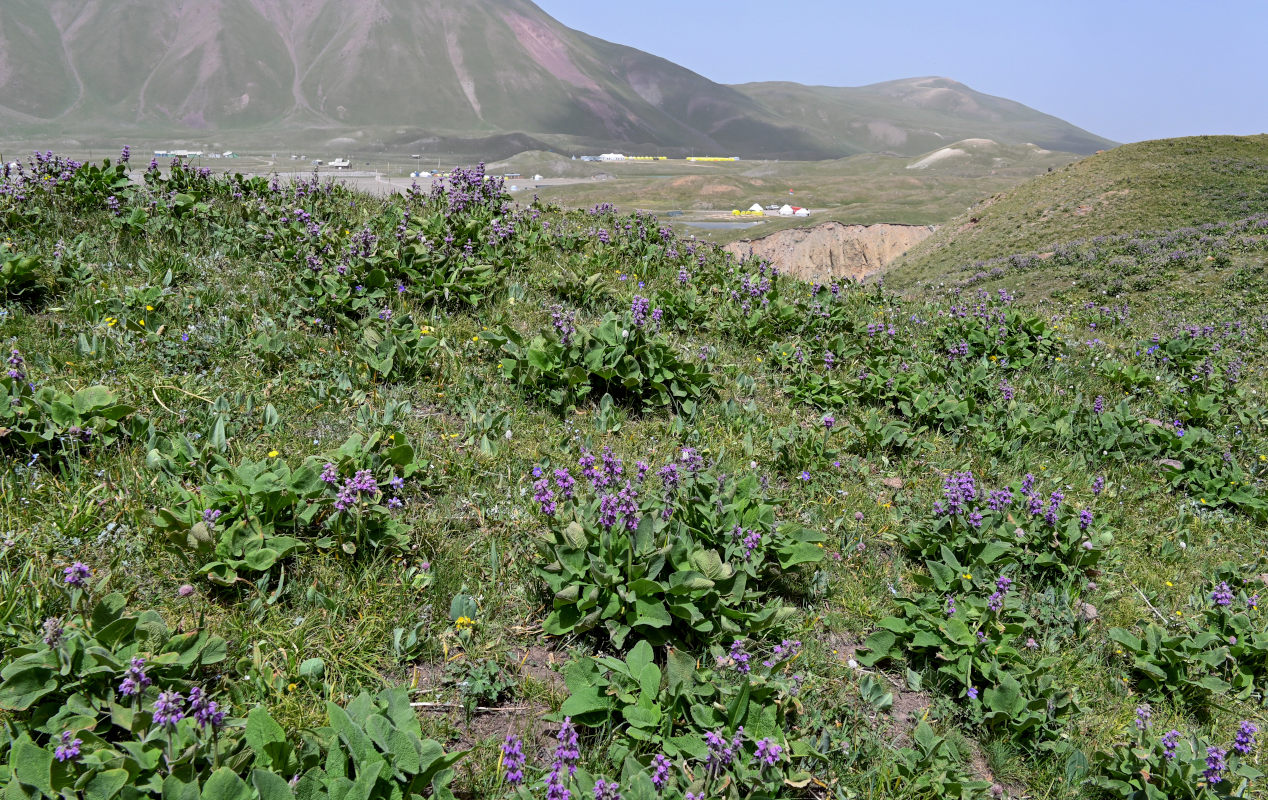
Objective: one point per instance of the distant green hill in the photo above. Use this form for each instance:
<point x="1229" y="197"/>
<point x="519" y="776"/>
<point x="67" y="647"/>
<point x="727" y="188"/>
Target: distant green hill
<point x="916" y="115"/>
<point x="380" y="74"/>
<point x="1160" y="185"/>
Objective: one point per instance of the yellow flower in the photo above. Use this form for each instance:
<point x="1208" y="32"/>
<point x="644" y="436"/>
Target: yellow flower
<point x="475" y="338"/>
<point x="292" y="687"/>
<point x="273" y="454"/>
<point x="968" y="577"/>
<point x="110" y="321"/>
<point x="1203" y="499"/>
<point x="149" y="308"/>
<point x="759" y="359"/>
<point x="140" y="322"/>
<point x="1169" y="583"/>
<point x="464" y="623"/>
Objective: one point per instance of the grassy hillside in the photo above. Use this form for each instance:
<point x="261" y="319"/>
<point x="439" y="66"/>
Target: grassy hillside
<point x="439" y="494"/>
<point x="1155" y="186"/>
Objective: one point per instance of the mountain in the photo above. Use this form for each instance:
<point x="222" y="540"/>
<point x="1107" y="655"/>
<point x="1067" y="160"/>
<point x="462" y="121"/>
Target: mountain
<point x="1136" y="189"/>
<point x="402" y="71"/>
<point x="916" y="115"/>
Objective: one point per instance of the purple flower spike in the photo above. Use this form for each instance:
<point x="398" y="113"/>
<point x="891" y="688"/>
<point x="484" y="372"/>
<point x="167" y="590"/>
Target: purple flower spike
<point x="660" y="771"/>
<point x="767" y="754"/>
<point x="1169" y="741"/>
<point x="1142" y="717"/>
<point x="69" y="748"/>
<point x="77" y="574"/>
<point x="1245" y="741"/>
<point x="169" y="709"/>
<point x="513" y="759"/>
<point x="1215" y="766"/>
<point x="568" y="752"/>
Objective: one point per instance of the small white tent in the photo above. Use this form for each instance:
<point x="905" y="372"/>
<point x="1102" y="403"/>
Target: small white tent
<point x="756" y="208"/>
<point x="786" y="211"/>
<point x="801" y="212"/>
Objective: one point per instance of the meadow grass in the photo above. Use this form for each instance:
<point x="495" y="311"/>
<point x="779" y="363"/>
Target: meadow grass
<point x="250" y="356"/>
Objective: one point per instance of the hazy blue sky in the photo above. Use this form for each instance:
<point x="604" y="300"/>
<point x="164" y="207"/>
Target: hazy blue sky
<point x="1124" y="69"/>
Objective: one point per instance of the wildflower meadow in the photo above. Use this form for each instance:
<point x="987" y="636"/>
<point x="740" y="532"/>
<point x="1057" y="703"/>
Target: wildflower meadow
<point x="308" y="493"/>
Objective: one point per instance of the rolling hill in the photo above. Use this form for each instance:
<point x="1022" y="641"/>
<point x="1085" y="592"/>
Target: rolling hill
<point x="915" y="115"/>
<point x="396" y="72"/>
<point x="1147" y="187"/>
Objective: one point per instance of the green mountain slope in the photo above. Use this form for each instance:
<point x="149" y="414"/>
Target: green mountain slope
<point x="402" y="71"/>
<point x="916" y="115"/>
<point x="1158" y="185"/>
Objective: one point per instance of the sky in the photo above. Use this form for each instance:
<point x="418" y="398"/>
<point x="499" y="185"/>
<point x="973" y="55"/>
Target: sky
<point x="1123" y="69"/>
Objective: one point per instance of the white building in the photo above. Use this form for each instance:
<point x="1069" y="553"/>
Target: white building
<point x="340" y="163"/>
<point x="612" y="157"/>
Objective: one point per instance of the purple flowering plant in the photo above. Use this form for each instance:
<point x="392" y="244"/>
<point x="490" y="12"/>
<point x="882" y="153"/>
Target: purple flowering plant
<point x="675" y="537"/>
<point x="980" y="527"/>
<point x="970" y="626"/>
<point x="621" y="355"/>
<point x="1217" y="646"/>
<point x="1166" y="764"/>
<point x="351" y="499"/>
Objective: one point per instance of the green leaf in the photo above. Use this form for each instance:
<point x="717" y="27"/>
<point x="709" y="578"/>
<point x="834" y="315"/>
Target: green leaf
<point x="312" y="669"/>
<point x="358" y="744"/>
<point x="681" y="668"/>
<point x="639" y="658"/>
<point x="1004" y="698"/>
<point x="405" y="756"/>
<point x="106" y="784"/>
<point x="651" y="614"/>
<point x="738" y="709"/>
<point x="878" y="646"/>
<point x="94" y="397"/>
<point x="25" y="687"/>
<point x="262" y="731"/>
<point x="641" y="717"/>
<point x="270" y="785"/>
<point x="225" y="785"/>
<point x="958" y="632"/>
<point x="585" y="702"/>
<point x="32" y="765"/>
